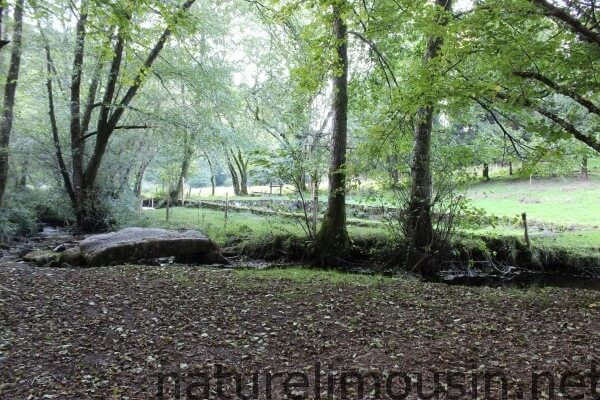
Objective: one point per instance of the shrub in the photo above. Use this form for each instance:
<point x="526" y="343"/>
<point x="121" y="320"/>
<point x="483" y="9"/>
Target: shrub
<point x="16" y="222"/>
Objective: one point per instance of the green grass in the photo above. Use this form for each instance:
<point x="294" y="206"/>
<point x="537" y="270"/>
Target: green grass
<point x="554" y="201"/>
<point x="212" y="223"/>
<point x="307" y="274"/>
<point x="567" y="208"/>
<point x="578" y="242"/>
<point x="242" y="225"/>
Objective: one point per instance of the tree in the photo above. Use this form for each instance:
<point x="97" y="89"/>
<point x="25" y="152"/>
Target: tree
<point x="10" y="89"/>
<point x="419" y="225"/>
<point x="333" y="235"/>
<point x="81" y="182"/>
<point x="535" y="60"/>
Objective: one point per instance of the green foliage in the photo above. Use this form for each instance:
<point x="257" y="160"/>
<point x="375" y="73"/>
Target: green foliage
<point x="16" y="222"/>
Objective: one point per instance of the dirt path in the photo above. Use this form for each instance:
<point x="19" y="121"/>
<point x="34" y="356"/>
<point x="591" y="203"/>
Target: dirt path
<point x="107" y="333"/>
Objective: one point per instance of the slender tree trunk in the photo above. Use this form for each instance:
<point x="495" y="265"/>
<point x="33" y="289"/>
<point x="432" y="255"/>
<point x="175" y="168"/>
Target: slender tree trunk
<point x="510" y="168"/>
<point x="77" y="144"/>
<point x="137" y="186"/>
<point x="584" y="176"/>
<point x="242" y="168"/>
<point x="10" y="89"/>
<point x="333" y="236"/>
<point x="139" y="179"/>
<point x="419" y="224"/>
<point x="419" y="227"/>
<point x="22" y="181"/>
<point x="213" y="182"/>
<point x="125" y="180"/>
<point x="235" y="181"/>
<point x="89" y="215"/>
<point x="486" y="171"/>
<point x="176" y="194"/>
<point x="62" y="167"/>
<point x="392" y="162"/>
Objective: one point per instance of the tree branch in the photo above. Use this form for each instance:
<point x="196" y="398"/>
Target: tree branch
<point x="570" y="128"/>
<point x="90" y="134"/>
<point x="573" y="23"/>
<point x="55" y="137"/>
<point x="591" y="107"/>
<point x="497" y="121"/>
<point x="385" y="66"/>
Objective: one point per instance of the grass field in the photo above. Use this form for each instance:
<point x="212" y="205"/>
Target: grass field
<point x="556" y="201"/>
<point x="562" y="213"/>
<point x="243" y="225"/>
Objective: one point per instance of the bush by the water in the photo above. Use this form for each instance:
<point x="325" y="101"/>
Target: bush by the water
<point x="16" y="222"/>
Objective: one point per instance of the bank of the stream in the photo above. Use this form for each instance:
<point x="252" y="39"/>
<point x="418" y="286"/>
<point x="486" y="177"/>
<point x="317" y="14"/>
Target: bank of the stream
<point x="472" y="261"/>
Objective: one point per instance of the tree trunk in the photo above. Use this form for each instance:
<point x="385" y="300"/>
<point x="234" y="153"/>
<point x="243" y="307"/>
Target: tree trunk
<point x="333" y="236"/>
<point x="125" y="180"/>
<point x="6" y="119"/>
<point x="510" y="168"/>
<point x="213" y="182"/>
<point x="242" y="168"/>
<point x="419" y="227"/>
<point x="22" y="181"/>
<point x="77" y="144"/>
<point x="235" y="181"/>
<point x="584" y="176"/>
<point x="419" y="224"/>
<point x="139" y="178"/>
<point x="392" y="164"/>
<point x="188" y="154"/>
<point x="87" y="204"/>
<point x="486" y="171"/>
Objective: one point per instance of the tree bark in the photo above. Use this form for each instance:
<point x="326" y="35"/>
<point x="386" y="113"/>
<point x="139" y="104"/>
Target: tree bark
<point x="333" y="235"/>
<point x="486" y="171"/>
<point x="584" y="175"/>
<point x="53" y="124"/>
<point x="419" y="223"/>
<point x="77" y="145"/>
<point x="419" y="226"/>
<point x="10" y="89"/>
<point x="242" y="169"/>
<point x="213" y="183"/>
<point x="235" y="181"/>
<point x="22" y="181"/>
<point x="510" y="168"/>
<point x="176" y="194"/>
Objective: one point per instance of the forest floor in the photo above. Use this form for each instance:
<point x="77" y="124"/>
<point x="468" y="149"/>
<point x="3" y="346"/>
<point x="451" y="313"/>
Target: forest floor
<point x="108" y="333"/>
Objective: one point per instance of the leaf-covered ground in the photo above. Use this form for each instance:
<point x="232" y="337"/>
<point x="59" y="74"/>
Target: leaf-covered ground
<point x="107" y="333"/>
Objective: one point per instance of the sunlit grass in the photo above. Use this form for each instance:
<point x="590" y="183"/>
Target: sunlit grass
<point x="308" y="274"/>
<point x="555" y="201"/>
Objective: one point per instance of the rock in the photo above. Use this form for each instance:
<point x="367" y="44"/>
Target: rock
<point x="24" y="251"/>
<point x="60" y="248"/>
<point x="72" y="256"/>
<point x="134" y="244"/>
<point x="41" y="258"/>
